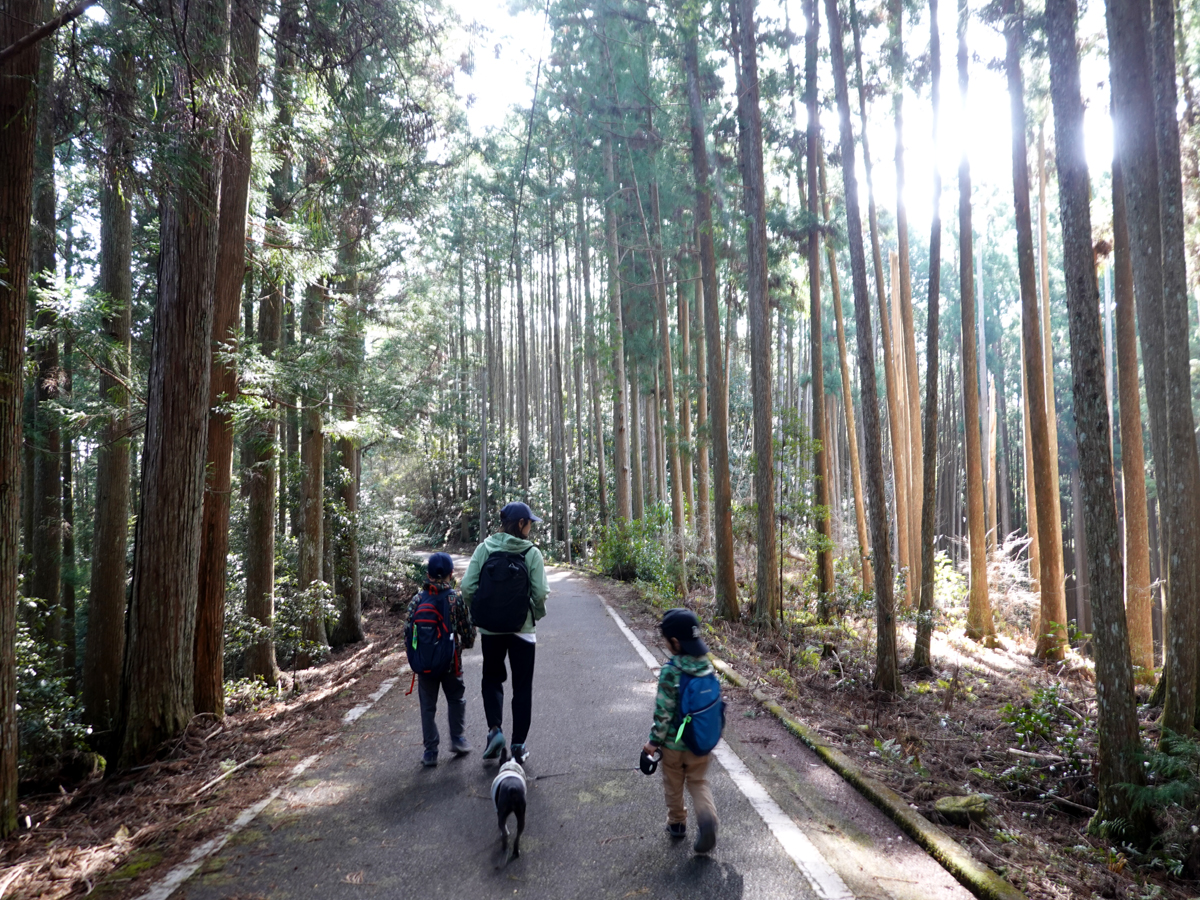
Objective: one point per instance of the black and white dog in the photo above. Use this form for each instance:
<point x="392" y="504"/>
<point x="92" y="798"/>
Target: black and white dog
<point x="508" y="794"/>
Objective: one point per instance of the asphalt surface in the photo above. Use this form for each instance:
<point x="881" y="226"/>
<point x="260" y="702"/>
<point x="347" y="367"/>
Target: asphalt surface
<point x="368" y="821"/>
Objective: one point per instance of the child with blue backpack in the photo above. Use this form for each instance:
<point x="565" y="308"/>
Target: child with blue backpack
<point x="437" y="630"/>
<point x="689" y="715"/>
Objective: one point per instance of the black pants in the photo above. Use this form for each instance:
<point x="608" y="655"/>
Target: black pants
<point x="520" y="655"/>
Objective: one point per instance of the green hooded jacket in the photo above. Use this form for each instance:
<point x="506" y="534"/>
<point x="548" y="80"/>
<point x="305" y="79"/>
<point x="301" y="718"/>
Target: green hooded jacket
<point x="539" y="588"/>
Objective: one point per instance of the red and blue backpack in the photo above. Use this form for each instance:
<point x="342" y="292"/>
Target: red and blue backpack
<point x="428" y="636"/>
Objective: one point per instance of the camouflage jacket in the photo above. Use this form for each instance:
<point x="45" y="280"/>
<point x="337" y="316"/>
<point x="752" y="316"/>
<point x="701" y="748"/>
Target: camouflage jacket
<point x="460" y="614"/>
<point x="666" y="703"/>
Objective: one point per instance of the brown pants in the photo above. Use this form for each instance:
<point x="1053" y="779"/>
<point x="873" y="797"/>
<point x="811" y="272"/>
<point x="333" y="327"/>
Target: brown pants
<point x="683" y="767"/>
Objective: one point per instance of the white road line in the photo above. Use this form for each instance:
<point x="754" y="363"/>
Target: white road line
<point x="646" y="655"/>
<point x="808" y="859"/>
<point x="167" y="885"/>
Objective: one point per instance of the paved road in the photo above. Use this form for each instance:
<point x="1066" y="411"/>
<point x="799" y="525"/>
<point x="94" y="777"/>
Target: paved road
<point x="369" y="821"/>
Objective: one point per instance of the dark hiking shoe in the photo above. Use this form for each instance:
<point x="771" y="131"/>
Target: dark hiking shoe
<point x="707" y="839"/>
<point x="429" y="760"/>
<point x="677" y="829"/>
<point x="460" y="747"/>
<point x="520" y="754"/>
<point x="495" y="743"/>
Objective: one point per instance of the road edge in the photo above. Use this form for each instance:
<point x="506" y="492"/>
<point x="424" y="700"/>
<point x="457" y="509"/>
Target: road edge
<point x="970" y="873"/>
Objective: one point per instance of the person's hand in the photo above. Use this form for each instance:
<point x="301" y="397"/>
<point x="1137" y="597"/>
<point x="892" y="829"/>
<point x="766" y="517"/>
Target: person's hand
<point x="650" y="749"/>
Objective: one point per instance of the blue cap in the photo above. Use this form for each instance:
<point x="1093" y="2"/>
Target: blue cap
<point x="439" y="565"/>
<point x="514" y="512"/>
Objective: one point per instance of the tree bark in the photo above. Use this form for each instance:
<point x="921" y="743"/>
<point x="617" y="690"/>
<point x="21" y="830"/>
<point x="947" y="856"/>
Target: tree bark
<point x="860" y="516"/>
<point x="725" y="580"/>
<point x="105" y="645"/>
<point x="1143" y="114"/>
<point x="1051" y="641"/>
<point x="1047" y="343"/>
<point x="18" y="93"/>
<point x="824" y="561"/>
<point x="921" y="656"/>
<point x="906" y="336"/>
<point x="1138" y="600"/>
<point x="621" y="473"/>
<point x="887" y="672"/>
<point x="312" y="474"/>
<point x="767" y="607"/>
<point x="157" y="681"/>
<point x="45" y="571"/>
<point x="223" y="380"/>
<point x="1119" y="756"/>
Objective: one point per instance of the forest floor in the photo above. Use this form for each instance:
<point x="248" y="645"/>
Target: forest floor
<point x="112" y="837"/>
<point x="952" y="733"/>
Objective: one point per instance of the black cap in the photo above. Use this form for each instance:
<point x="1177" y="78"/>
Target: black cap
<point x="439" y="565"/>
<point x="683" y="625"/>
<point x="514" y="512"/>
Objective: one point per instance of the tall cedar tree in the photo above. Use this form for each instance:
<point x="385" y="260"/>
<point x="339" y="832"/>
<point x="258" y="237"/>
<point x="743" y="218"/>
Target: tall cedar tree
<point x="767" y="605"/>
<point x="929" y="463"/>
<point x="1117" y="724"/>
<point x="45" y="570"/>
<point x="1162" y="325"/>
<point x="105" y="647"/>
<point x="725" y="581"/>
<point x="617" y="331"/>
<point x="1138" y="600"/>
<point x="209" y="659"/>
<point x="1053" y="629"/>
<point x="887" y="670"/>
<point x="824" y="565"/>
<point x="980" y="623"/>
<point x="18" y="110"/>
<point x="157" y="680"/>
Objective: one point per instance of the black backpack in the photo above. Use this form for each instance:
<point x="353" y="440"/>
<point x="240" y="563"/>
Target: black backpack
<point x="501" y="601"/>
<point x="428" y="637"/>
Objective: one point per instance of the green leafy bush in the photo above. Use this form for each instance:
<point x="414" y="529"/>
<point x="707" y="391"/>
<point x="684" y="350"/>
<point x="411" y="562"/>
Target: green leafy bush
<point x="49" y="719"/>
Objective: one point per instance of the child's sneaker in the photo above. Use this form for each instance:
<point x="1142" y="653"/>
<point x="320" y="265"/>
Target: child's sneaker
<point x="677" y="829"/>
<point x="429" y="760"/>
<point x="495" y="743"/>
<point x="519" y="753"/>
<point x="460" y="747"/>
<point x="707" y="839"/>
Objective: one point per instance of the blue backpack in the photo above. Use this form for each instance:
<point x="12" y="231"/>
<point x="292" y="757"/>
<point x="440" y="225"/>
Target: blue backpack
<point x="701" y="712"/>
<point x="428" y="637"/>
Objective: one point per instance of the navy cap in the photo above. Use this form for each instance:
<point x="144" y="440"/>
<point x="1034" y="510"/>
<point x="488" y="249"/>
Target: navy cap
<point x="683" y="625"/>
<point x="514" y="512"/>
<point x="440" y="565"/>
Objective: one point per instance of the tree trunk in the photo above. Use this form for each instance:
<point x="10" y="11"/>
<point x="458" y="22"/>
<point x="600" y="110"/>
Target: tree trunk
<point x="105" y="645"/>
<point x="860" y="516"/>
<point x="1035" y="559"/>
<point x="18" y="93"/>
<point x="1051" y="642"/>
<point x="824" y="561"/>
<point x="617" y="329"/>
<point x="45" y="571"/>
<point x="921" y="656"/>
<point x="901" y="443"/>
<point x="593" y="371"/>
<point x="684" y="438"/>
<point x="887" y="672"/>
<point x="69" y="654"/>
<point x="312" y="484"/>
<point x="1120" y="753"/>
<point x="1138" y="601"/>
<point x="906" y="336"/>
<point x="1140" y="114"/>
<point x="223" y="382"/>
<point x="725" y="580"/>
<point x="157" y="680"/>
<point x="703" y="432"/>
<point x="767" y="607"/>
<point x="1047" y="342"/>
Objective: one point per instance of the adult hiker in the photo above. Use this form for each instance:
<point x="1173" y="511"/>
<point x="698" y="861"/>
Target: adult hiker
<point x="506" y="587"/>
